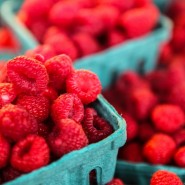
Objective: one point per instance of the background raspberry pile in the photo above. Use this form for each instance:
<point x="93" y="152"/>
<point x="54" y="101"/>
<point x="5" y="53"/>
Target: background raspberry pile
<point x="45" y="113"/>
<point x="82" y="27"/>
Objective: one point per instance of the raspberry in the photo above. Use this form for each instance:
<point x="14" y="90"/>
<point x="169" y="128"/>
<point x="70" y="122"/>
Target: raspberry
<point x="115" y="37"/>
<point x="45" y="50"/>
<point x="58" y="68"/>
<point x="146" y="131"/>
<point x="4" y="151"/>
<point x="120" y="5"/>
<point x="67" y="106"/>
<point x="7" y="93"/>
<point x="108" y="15"/>
<point x="132" y="126"/>
<point x="115" y="181"/>
<point x="168" y="118"/>
<point x="67" y="47"/>
<point x="139" y="21"/>
<point x="162" y="177"/>
<point x="87" y="21"/>
<point x="50" y="94"/>
<point x="36" y="9"/>
<point x="30" y="154"/>
<point x="82" y="40"/>
<point x="37" y="106"/>
<point x="43" y="130"/>
<point x="165" y="53"/>
<point x="10" y="173"/>
<point x="141" y="3"/>
<point x="96" y="128"/>
<point x="131" y="152"/>
<point x="141" y="102"/>
<point x="179" y="137"/>
<point x="179" y="157"/>
<point x="16" y="122"/>
<point x="85" y="84"/>
<point x="63" y="14"/>
<point x="159" y="149"/>
<point x="3" y="72"/>
<point x="177" y="98"/>
<point x="66" y="137"/>
<point x="27" y="75"/>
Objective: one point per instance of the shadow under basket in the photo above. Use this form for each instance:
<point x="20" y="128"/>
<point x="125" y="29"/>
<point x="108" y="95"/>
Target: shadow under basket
<point x="74" y="168"/>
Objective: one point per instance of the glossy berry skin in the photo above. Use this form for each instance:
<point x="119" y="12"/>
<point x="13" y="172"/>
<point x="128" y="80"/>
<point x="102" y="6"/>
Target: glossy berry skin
<point x="67" y="136"/>
<point x="4" y="151"/>
<point x="115" y="181"/>
<point x="30" y="154"/>
<point x="85" y="84"/>
<point x="67" y="106"/>
<point x="58" y="68"/>
<point x="168" y="118"/>
<point x="7" y="93"/>
<point x="179" y="157"/>
<point x="159" y="149"/>
<point x="16" y="123"/>
<point x="95" y="127"/>
<point x="162" y="177"/>
<point x="38" y="106"/>
<point x="27" y="75"/>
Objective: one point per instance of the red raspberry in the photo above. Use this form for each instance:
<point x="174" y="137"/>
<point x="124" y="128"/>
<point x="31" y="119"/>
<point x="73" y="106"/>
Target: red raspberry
<point x="96" y="128"/>
<point x="177" y="98"/>
<point x="131" y="152"/>
<point x="66" y="137"/>
<point x="141" y="102"/>
<point x="159" y="149"/>
<point x="67" y="48"/>
<point x="132" y="20"/>
<point x="141" y="3"/>
<point x="162" y="177"/>
<point x="30" y="154"/>
<point x="82" y="40"/>
<point x="85" y="84"/>
<point x="43" y="130"/>
<point x="10" y="173"/>
<point x="179" y="137"/>
<point x="166" y="53"/>
<point x="179" y="157"/>
<point x="115" y="37"/>
<point x="120" y="5"/>
<point x="27" y="75"/>
<point x="3" y="72"/>
<point x="132" y="126"/>
<point x="4" y="152"/>
<point x="50" y="94"/>
<point x="108" y="15"/>
<point x="45" y="50"/>
<point x="67" y="106"/>
<point x="36" y="9"/>
<point x="146" y="131"/>
<point x="58" y="68"/>
<point x="16" y="122"/>
<point x="37" y="106"/>
<point x="168" y="118"/>
<point x="87" y="21"/>
<point x="63" y="14"/>
<point x="116" y="181"/>
<point x="7" y="93"/>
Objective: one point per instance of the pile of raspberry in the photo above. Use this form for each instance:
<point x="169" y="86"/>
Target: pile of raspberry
<point x="153" y="106"/>
<point x="160" y="177"/>
<point x="83" y="27"/>
<point x="45" y="112"/>
<point x="175" y="48"/>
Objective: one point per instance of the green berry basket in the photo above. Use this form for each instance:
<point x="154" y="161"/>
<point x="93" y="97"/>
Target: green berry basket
<point x="163" y="4"/>
<point x="141" y="173"/>
<point x="74" y="168"/>
<point x="126" y="56"/>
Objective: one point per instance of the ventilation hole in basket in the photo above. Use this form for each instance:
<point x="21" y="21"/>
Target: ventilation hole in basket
<point x="93" y="177"/>
<point x="141" y="67"/>
<point x="114" y="75"/>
